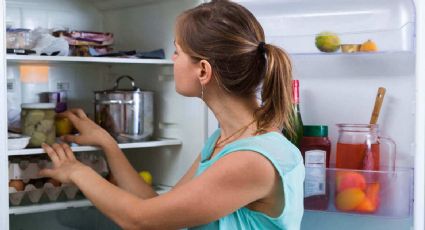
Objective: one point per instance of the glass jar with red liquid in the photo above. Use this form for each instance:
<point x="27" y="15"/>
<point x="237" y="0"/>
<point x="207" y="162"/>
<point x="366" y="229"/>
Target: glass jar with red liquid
<point x="315" y="148"/>
<point x="361" y="149"/>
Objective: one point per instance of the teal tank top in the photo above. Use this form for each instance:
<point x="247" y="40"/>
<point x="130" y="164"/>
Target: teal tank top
<point x="287" y="160"/>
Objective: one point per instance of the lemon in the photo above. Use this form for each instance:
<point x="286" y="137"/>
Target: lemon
<point x="63" y="126"/>
<point x="328" y="42"/>
<point x="147" y="177"/>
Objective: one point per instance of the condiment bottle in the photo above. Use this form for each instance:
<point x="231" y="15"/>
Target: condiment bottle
<point x="315" y="145"/>
<point x="315" y="148"/>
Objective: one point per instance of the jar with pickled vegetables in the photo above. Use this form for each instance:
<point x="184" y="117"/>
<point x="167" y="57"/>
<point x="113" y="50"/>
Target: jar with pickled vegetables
<point x="38" y="122"/>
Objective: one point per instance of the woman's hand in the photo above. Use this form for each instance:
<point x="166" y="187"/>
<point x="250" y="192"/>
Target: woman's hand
<point x="64" y="163"/>
<point x="89" y="132"/>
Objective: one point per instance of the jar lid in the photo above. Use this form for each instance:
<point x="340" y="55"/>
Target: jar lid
<point x="315" y="130"/>
<point x="38" y="105"/>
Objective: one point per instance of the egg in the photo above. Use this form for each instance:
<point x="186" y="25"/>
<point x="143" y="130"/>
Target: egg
<point x="17" y="184"/>
<point x="53" y="182"/>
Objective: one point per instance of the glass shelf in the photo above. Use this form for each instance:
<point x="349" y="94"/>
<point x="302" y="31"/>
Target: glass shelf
<point x="27" y="59"/>
<point x="76" y="148"/>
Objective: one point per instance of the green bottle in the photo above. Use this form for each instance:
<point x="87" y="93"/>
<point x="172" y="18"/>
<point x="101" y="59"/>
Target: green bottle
<point x="297" y="121"/>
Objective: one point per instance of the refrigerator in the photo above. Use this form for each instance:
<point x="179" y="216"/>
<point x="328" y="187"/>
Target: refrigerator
<point x="334" y="88"/>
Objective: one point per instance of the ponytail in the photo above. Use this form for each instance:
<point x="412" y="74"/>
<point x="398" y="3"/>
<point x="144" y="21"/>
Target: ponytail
<point x="276" y="94"/>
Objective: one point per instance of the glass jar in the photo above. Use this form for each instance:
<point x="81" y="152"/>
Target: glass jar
<point x="38" y="122"/>
<point x="360" y="147"/>
<point x="63" y="125"/>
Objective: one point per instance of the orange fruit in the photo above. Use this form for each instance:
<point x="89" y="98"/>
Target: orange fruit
<point x="349" y="199"/>
<point x="366" y="206"/>
<point x="371" y="201"/>
<point x="369" y="46"/>
<point x="346" y="180"/>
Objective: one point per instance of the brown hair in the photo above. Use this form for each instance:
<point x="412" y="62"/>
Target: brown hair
<point x="230" y="38"/>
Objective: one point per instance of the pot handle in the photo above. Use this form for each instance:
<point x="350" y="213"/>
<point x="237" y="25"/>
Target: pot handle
<point x="117" y="82"/>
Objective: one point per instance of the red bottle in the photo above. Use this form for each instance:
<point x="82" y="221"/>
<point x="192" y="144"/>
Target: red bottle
<point x="316" y="148"/>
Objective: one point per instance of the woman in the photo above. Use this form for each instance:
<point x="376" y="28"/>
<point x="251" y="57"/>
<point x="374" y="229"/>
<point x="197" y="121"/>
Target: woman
<point x="248" y="176"/>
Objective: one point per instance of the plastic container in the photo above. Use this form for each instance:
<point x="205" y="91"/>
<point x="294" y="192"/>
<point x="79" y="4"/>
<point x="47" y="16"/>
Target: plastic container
<point x="38" y="122"/>
<point x="377" y="193"/>
<point x="17" y="141"/>
<point x="315" y="148"/>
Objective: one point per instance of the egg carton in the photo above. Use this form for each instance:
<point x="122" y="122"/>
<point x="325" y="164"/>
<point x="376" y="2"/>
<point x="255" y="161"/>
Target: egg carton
<point x="34" y="194"/>
<point x="96" y="162"/>
<point x="26" y="169"/>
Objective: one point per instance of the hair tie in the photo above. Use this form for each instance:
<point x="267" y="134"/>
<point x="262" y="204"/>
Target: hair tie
<point x="262" y="47"/>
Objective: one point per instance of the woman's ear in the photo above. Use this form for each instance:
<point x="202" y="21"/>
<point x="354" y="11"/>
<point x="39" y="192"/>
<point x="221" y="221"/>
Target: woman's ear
<point x="206" y="72"/>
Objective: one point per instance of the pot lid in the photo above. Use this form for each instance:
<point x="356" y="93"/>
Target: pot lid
<point x="116" y="88"/>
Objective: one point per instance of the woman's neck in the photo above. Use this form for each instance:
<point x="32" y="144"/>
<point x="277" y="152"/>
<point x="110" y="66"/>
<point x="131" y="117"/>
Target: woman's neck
<point x="233" y="113"/>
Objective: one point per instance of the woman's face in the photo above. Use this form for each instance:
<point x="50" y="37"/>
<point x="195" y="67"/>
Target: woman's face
<point x="186" y="74"/>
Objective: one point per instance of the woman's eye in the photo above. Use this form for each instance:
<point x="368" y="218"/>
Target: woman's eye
<point x="175" y="52"/>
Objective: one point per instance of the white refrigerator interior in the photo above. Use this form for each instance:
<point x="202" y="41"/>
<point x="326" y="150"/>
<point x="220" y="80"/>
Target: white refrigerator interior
<point x="334" y="88"/>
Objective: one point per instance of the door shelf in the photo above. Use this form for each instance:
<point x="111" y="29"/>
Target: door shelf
<point x="76" y="148"/>
<point x="33" y="59"/>
<point x="380" y="64"/>
<point x="37" y="208"/>
<point x="360" y="192"/>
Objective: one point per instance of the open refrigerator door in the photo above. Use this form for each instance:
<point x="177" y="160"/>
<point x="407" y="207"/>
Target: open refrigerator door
<point x="342" y="52"/>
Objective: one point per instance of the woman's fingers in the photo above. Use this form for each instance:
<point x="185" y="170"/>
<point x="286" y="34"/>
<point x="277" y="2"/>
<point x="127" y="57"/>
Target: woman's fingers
<point x="71" y="138"/>
<point x="68" y="152"/>
<point x="46" y="173"/>
<point x="51" y="153"/>
<point x="78" y="112"/>
<point x="71" y="116"/>
<point x="59" y="151"/>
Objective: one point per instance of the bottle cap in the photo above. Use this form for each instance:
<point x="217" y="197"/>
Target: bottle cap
<point x="315" y="130"/>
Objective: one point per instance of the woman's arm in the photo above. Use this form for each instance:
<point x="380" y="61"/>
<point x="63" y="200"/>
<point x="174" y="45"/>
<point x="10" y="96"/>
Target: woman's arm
<point x="92" y="134"/>
<point x="190" y="173"/>
<point x="231" y="183"/>
<point x="125" y="175"/>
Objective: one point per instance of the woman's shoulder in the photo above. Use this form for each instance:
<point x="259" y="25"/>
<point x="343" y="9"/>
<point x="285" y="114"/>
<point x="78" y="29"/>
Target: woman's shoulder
<point x="273" y="146"/>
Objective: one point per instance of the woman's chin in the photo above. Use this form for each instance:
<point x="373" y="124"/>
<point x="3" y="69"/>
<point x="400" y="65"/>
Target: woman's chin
<point x="186" y="94"/>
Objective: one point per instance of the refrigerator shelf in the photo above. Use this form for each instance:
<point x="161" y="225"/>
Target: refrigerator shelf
<point x="351" y="65"/>
<point x="377" y="54"/>
<point x="76" y="148"/>
<point x="359" y="192"/>
<point x="294" y="25"/>
<point x="37" y="208"/>
<point x="31" y="59"/>
<point x="390" y="40"/>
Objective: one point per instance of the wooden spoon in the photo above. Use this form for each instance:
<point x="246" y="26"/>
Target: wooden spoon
<point x="368" y="160"/>
<point x="378" y="103"/>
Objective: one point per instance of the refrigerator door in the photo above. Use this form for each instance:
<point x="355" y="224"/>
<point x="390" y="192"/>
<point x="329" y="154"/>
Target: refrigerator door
<point x="419" y="205"/>
<point x="341" y="88"/>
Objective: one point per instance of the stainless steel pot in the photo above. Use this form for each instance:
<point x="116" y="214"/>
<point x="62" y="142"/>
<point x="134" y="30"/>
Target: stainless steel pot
<point x="122" y="112"/>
